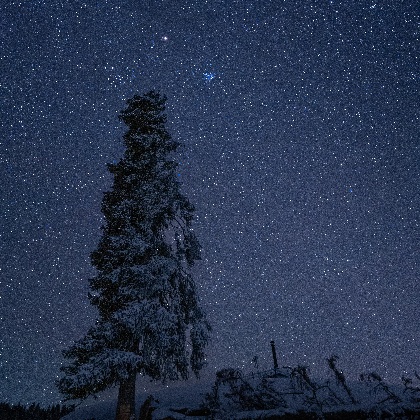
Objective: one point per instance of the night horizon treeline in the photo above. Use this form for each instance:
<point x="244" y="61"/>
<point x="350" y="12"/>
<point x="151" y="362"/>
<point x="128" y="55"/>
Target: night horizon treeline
<point x="33" y="411"/>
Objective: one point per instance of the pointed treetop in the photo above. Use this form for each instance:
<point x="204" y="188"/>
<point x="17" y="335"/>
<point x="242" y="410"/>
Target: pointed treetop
<point x="146" y="108"/>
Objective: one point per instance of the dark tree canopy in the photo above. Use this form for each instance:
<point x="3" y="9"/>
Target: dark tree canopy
<point x="145" y="294"/>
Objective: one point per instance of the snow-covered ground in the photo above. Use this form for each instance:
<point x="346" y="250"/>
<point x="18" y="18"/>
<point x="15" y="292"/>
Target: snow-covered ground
<point x="236" y="396"/>
<point x="173" y="396"/>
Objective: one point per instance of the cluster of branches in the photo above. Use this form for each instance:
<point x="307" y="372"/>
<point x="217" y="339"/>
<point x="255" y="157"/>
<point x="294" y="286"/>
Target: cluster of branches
<point x="33" y="412"/>
<point x="410" y="387"/>
<point x="241" y="393"/>
<point x="290" y="388"/>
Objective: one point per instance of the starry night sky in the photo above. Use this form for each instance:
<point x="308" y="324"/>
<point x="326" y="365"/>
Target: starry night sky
<point x="299" y="122"/>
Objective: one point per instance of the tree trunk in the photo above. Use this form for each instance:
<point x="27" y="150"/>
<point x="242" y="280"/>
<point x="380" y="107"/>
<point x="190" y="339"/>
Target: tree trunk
<point x="126" y="405"/>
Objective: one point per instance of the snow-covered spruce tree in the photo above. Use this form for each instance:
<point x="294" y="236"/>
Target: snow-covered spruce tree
<point x="145" y="295"/>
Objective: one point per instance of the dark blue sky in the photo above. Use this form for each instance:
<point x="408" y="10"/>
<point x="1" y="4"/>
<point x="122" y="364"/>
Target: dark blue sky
<point x="299" y="123"/>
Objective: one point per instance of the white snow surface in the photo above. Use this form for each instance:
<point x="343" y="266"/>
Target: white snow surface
<point x="172" y="399"/>
<point x="174" y="395"/>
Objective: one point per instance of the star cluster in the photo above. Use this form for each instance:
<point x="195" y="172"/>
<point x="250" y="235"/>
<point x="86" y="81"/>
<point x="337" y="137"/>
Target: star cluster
<point x="299" y="123"/>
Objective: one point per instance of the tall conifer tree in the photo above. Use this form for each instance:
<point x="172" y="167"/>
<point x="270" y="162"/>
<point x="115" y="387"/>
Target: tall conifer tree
<point x="144" y="292"/>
